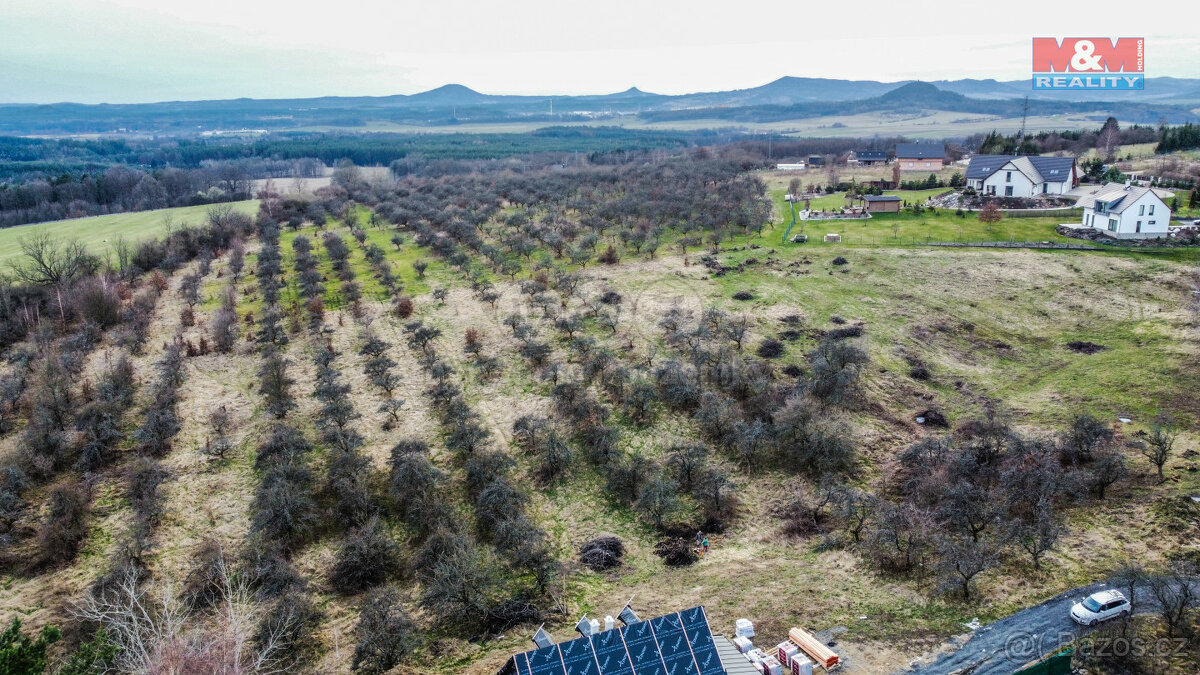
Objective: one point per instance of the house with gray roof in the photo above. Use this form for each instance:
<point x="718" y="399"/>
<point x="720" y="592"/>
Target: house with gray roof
<point x="1022" y="176"/>
<point x="866" y="157"/>
<point x="1126" y="212"/>
<point x="920" y="156"/>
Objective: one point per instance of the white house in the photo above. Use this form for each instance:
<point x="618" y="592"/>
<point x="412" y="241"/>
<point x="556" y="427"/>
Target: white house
<point x="1126" y="212"/>
<point x="798" y="166"/>
<point x="1021" y="176"/>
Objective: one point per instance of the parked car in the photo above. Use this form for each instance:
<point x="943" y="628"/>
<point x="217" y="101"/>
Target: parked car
<point x="1099" y="607"/>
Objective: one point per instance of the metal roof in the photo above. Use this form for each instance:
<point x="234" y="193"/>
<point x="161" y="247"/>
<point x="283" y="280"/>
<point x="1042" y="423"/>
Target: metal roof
<point x="1044" y="169"/>
<point x="881" y="198"/>
<point x="735" y="662"/>
<point x="673" y="644"/>
<point x="870" y="155"/>
<point x="921" y="151"/>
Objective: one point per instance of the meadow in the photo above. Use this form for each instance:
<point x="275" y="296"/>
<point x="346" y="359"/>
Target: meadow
<point x="100" y="233"/>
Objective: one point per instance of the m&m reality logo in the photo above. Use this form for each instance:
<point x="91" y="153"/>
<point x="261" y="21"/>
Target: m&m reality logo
<point x="1089" y="63"/>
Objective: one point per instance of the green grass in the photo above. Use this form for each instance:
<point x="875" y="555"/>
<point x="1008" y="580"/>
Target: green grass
<point x="908" y="229"/>
<point x="99" y="233"/>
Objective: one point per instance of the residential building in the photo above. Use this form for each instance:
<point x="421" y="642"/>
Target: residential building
<point x="866" y="157"/>
<point x="1022" y="176"/>
<point x="796" y="166"/>
<point x="920" y="156"/>
<point x="1126" y="212"/>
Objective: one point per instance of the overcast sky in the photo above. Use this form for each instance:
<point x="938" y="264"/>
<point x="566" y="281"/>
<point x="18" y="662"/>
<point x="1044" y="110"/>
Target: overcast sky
<point x="154" y="50"/>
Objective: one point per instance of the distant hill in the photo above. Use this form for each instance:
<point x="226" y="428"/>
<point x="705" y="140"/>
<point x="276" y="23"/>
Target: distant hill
<point x="456" y="104"/>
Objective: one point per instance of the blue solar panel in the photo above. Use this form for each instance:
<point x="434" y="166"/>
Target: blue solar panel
<point x="546" y="661"/>
<point x="695" y="623"/>
<point x="676" y="652"/>
<point x="520" y="663"/>
<point x="611" y="654"/>
<point x="578" y="657"/>
<point x="643" y="649"/>
<point x="674" y="644"/>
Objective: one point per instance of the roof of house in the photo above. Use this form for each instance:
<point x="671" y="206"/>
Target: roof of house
<point x="921" y="150"/>
<point x="882" y="198"/>
<point x="1038" y="169"/>
<point x="1118" y="196"/>
<point x="870" y="155"/>
<point x="681" y="641"/>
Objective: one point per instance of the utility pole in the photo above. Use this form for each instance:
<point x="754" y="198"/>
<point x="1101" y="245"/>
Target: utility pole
<point x="1024" y="117"/>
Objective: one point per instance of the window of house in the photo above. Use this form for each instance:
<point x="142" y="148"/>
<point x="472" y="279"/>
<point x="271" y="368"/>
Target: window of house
<point x="1008" y="177"/>
<point x="1008" y="191"/>
<point x="1151" y="209"/>
<point x="1142" y="210"/>
<point x="1138" y="228"/>
<point x="1112" y="224"/>
<point x="1150" y="223"/>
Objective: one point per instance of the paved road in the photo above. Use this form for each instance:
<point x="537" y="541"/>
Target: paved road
<point x="1003" y="647"/>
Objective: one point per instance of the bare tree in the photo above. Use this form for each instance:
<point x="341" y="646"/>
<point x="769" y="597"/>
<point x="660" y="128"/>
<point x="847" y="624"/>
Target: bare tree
<point x="149" y="623"/>
<point x="1176" y="592"/>
<point x="1159" y="443"/>
<point x="48" y="262"/>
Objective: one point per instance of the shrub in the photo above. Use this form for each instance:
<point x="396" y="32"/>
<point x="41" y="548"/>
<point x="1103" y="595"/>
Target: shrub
<point x="836" y="365"/>
<point x="288" y="628"/>
<point x="145" y="477"/>
<point x="283" y="508"/>
<point x="743" y="295"/>
<point x="98" y="301"/>
<point x="839" y="261"/>
<point x="770" y="349"/>
<point x="284" y="446"/>
<point x="843" y="333"/>
<point x="366" y="559"/>
<point x="224" y="330"/>
<point x="386" y="634"/>
<point x="62" y="535"/>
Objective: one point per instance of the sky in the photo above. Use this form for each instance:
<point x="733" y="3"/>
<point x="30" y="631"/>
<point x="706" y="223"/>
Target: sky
<point x="131" y="51"/>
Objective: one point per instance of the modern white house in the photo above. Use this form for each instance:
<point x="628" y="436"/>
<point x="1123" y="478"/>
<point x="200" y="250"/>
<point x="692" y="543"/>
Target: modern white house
<point x="1126" y="212"/>
<point x="1022" y="176"/>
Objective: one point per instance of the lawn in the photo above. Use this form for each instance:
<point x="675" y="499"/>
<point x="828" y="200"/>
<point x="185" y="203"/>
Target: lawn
<point x="99" y="233"/>
<point x="908" y="229"/>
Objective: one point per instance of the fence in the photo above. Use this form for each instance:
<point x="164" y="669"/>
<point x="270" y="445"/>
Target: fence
<point x="1015" y="244"/>
<point x="1074" y="214"/>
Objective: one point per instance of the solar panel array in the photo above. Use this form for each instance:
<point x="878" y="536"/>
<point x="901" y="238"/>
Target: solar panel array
<point x="673" y="644"/>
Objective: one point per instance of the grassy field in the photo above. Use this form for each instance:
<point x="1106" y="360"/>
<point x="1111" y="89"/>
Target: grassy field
<point x="99" y="233"/>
